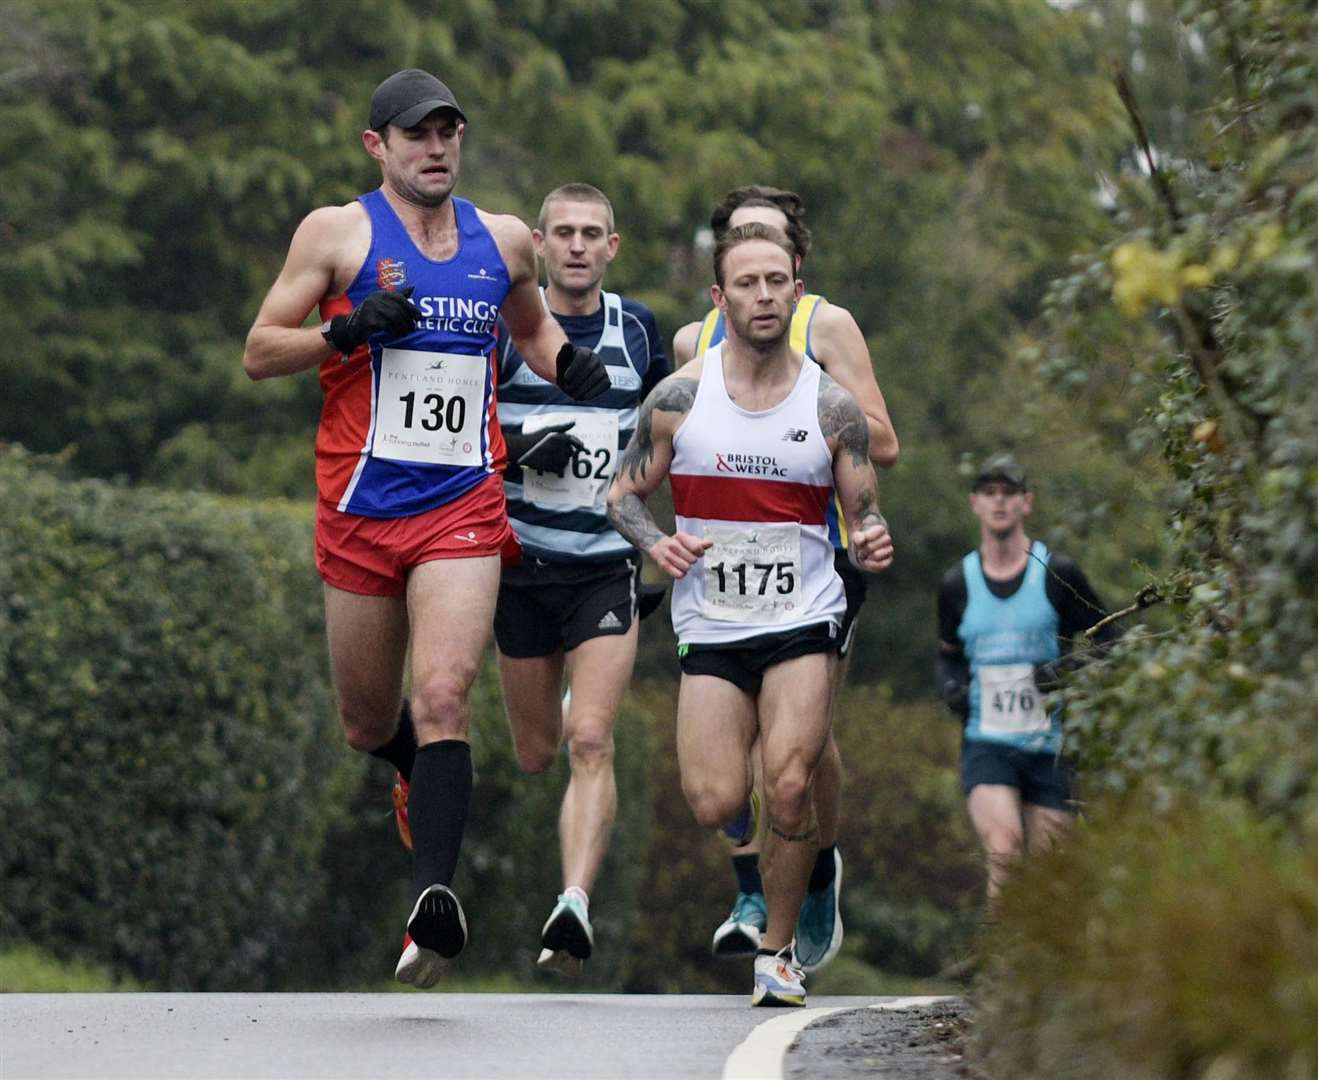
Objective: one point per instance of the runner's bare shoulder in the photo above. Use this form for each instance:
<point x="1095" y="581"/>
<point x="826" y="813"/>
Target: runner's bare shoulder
<point x="669" y="402"/>
<point x="685" y="342"/>
<point x="336" y="238"/>
<point x="512" y="236"/>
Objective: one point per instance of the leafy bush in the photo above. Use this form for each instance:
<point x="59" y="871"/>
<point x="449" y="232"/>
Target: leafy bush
<point x="1179" y="937"/>
<point x="166" y="731"/>
<point x="1225" y="703"/>
<point x="1156" y="948"/>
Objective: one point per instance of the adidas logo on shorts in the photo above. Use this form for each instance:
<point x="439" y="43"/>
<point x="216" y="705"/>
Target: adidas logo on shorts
<point x="609" y="622"/>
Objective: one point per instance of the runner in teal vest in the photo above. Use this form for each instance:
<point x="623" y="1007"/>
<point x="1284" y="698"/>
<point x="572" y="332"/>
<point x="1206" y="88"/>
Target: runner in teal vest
<point x="1008" y="615"/>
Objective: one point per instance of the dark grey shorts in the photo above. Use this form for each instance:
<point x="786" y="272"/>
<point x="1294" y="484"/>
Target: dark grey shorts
<point x="1043" y="779"/>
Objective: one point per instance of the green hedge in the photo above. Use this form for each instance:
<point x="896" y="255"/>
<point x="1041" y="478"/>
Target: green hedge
<point x="167" y="739"/>
<point x="180" y="806"/>
<point x="1154" y="947"/>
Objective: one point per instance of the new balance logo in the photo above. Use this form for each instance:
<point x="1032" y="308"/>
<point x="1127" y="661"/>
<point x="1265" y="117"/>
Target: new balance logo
<point x="610" y="622"/>
<point x="795" y="435"/>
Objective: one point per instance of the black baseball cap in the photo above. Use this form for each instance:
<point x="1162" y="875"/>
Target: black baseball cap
<point x="1000" y="469"/>
<point x="408" y="97"/>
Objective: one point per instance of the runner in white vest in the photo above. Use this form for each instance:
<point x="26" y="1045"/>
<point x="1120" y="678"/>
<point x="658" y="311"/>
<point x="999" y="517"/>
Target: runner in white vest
<point x="755" y="441"/>
<point x="826" y="333"/>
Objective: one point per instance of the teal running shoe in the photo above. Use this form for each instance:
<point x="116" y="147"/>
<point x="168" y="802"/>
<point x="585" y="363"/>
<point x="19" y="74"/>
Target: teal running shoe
<point x="740" y="933"/>
<point x="567" y="940"/>
<point x="819" y="925"/>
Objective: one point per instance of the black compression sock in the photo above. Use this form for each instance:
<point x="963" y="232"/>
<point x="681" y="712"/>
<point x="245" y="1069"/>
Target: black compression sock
<point x="437" y="810"/>
<point x="400" y="751"/>
<point x="825" y="869"/>
<point x="747" y="869"/>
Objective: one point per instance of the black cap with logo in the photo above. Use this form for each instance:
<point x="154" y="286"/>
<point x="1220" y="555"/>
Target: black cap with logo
<point x="408" y="97"/>
<point x="1000" y="469"/>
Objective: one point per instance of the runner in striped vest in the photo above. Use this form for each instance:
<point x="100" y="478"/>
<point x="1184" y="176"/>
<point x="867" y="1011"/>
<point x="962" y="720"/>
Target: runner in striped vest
<point x="570" y="604"/>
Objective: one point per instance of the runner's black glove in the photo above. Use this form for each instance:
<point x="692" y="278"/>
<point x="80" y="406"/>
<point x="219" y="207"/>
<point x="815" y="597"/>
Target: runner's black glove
<point x="952" y="677"/>
<point x="550" y="449"/>
<point x="1048" y="677"/>
<point x="956" y="696"/>
<point x="581" y="374"/>
<point x="383" y="311"/>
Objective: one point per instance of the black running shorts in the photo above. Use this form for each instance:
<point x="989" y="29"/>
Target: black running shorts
<point x="1043" y="779"/>
<point x="744" y="662"/>
<point x="547" y="606"/>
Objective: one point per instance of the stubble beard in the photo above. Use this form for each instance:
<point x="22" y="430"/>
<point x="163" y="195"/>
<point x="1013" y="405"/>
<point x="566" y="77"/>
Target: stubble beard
<point x="576" y="292"/>
<point x="761" y="346"/>
<point x="422" y="200"/>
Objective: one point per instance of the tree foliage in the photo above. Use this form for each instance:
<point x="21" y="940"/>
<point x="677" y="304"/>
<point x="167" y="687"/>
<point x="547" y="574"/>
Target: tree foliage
<point x="159" y="154"/>
<point x="1190" y="918"/>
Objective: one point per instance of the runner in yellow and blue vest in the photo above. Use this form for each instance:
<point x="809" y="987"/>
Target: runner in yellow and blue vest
<point x="827" y="334"/>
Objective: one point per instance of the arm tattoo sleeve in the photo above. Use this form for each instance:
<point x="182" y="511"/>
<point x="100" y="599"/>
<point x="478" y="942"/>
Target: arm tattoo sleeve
<point x="674" y="394"/>
<point x="633" y="520"/>
<point x="869" y="510"/>
<point x="841" y="418"/>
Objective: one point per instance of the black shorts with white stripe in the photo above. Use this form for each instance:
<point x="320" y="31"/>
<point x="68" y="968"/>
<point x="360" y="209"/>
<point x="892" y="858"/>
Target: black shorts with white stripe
<point x="546" y="606"/>
<point x="853" y="581"/>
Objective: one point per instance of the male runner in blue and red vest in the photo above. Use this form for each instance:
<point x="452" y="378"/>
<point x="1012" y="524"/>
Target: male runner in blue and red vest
<point x="410" y="520"/>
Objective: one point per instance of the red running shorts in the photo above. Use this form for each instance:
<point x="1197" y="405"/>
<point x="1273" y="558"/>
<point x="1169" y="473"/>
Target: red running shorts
<point x="372" y="556"/>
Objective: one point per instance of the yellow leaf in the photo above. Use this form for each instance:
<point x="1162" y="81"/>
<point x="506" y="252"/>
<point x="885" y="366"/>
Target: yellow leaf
<point x="1268" y="241"/>
<point x="1225" y="257"/>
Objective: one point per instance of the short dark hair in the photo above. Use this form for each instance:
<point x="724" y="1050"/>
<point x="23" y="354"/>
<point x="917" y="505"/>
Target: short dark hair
<point x="789" y="202"/>
<point x="742" y="234"/>
<point x="574" y="192"/>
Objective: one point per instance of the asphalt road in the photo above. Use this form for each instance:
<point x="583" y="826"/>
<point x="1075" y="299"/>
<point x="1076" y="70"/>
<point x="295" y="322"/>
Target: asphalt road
<point x="390" y="1036"/>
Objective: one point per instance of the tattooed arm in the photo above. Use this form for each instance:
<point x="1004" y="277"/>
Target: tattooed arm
<point x="643" y="467"/>
<point x="847" y="432"/>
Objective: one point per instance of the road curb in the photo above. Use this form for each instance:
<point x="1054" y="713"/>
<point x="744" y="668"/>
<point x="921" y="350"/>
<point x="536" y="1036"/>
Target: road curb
<point x="762" y="1054"/>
